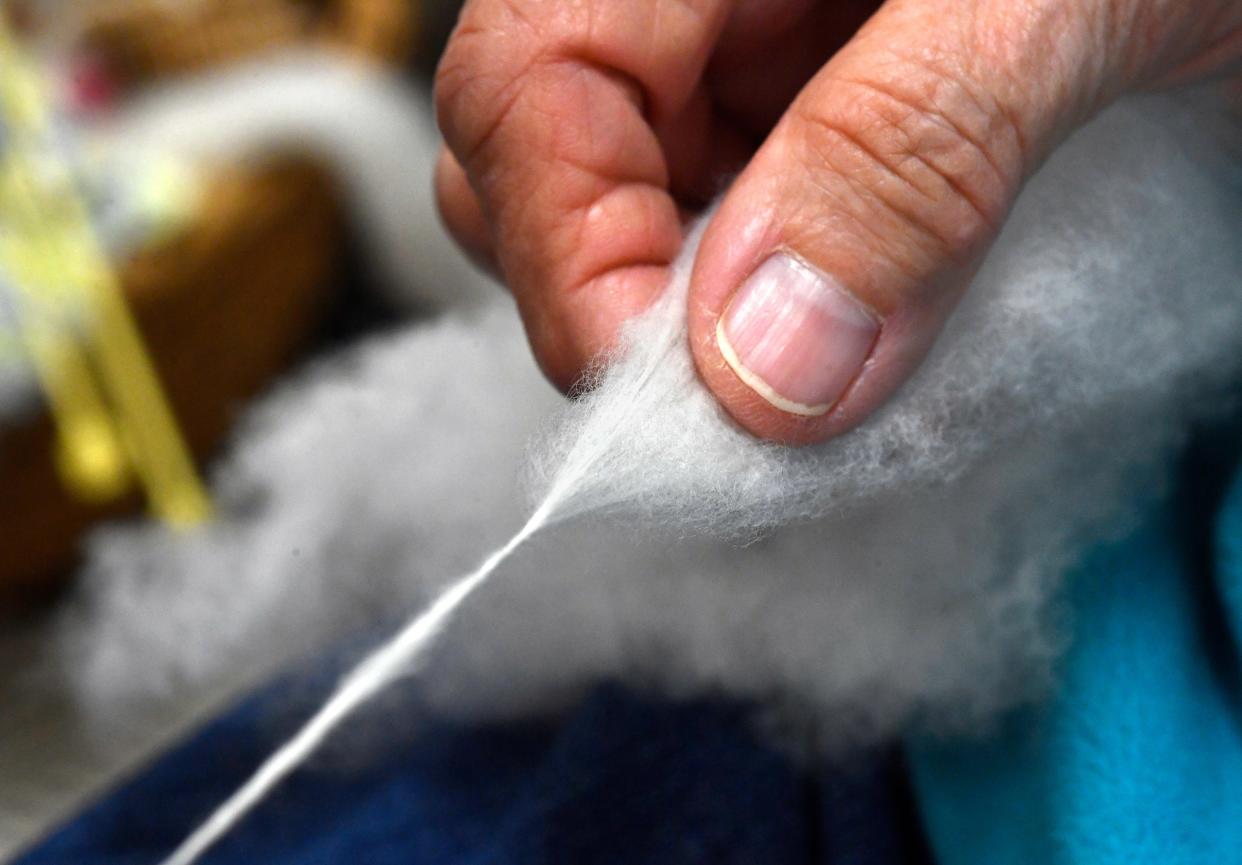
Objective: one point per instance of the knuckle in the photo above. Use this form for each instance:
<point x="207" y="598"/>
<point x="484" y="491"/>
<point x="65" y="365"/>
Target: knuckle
<point x="451" y="78"/>
<point x="456" y="83"/>
<point x="480" y="70"/>
<point x="921" y="151"/>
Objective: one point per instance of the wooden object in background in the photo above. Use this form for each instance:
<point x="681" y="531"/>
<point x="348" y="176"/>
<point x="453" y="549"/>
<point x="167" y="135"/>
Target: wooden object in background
<point x="226" y="304"/>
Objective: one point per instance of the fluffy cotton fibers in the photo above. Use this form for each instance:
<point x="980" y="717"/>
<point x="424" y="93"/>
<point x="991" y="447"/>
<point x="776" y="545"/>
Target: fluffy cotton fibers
<point x="902" y="572"/>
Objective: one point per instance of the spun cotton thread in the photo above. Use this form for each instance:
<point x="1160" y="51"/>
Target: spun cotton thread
<point x="401" y="653"/>
<point x="384" y="666"/>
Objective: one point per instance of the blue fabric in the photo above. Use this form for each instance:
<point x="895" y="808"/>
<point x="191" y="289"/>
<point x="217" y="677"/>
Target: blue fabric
<point x="620" y="780"/>
<point x="1138" y="758"/>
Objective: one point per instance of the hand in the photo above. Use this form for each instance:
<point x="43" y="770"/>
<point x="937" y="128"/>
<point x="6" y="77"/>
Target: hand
<point x="877" y="166"/>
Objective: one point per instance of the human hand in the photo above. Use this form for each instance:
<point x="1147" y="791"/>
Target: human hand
<point x="877" y="165"/>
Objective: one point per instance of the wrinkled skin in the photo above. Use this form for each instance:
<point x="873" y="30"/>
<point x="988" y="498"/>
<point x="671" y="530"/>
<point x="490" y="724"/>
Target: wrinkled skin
<point x="882" y="143"/>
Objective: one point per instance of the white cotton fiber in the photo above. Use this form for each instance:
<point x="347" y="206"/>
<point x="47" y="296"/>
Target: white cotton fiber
<point x="1115" y="292"/>
<point x="900" y="574"/>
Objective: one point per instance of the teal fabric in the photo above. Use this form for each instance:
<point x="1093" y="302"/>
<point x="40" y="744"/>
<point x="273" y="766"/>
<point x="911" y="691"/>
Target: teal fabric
<point x="1138" y="757"/>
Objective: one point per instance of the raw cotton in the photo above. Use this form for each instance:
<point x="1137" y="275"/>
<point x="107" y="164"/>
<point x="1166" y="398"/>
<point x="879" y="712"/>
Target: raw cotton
<point x="1092" y="308"/>
<point x="901" y="574"/>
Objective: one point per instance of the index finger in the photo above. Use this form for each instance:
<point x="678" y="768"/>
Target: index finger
<point x="551" y="107"/>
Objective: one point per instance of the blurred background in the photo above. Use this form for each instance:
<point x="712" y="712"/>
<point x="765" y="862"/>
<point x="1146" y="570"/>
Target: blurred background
<point x="197" y="197"/>
<point x="234" y="271"/>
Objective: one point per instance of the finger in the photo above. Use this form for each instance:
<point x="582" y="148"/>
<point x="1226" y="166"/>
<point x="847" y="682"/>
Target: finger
<point x="835" y="259"/>
<point x="551" y="108"/>
<point x="462" y="215"/>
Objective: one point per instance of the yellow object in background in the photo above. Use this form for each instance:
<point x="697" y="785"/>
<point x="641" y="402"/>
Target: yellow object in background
<point x="112" y="418"/>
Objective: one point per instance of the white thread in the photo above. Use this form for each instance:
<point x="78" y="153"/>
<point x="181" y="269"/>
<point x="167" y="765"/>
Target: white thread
<point x="374" y="673"/>
<point x="396" y="657"/>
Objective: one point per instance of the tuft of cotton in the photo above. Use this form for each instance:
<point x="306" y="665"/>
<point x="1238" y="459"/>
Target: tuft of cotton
<point x="904" y="573"/>
<point x="1105" y="305"/>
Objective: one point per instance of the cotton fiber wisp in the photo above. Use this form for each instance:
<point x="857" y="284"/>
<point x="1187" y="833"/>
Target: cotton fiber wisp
<point x="1074" y="323"/>
<point x="921" y="548"/>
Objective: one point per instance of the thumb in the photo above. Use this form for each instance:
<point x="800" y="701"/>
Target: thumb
<point x="834" y="260"/>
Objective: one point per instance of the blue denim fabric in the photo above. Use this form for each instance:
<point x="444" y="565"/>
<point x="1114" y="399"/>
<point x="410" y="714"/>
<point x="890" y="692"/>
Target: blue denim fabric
<point x="621" y="779"/>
